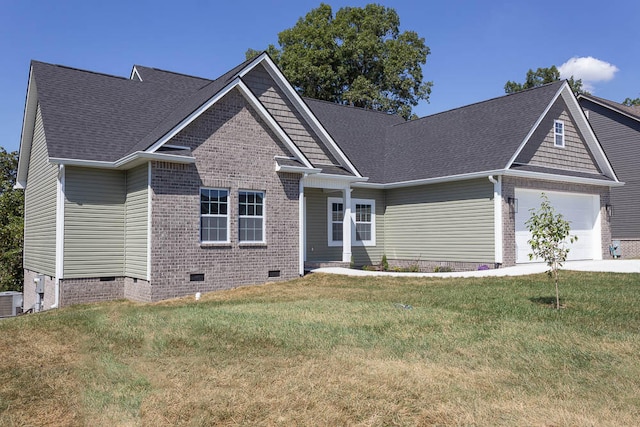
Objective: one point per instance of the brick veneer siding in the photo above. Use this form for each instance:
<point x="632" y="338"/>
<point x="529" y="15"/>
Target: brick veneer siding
<point x="29" y="296"/>
<point x="80" y="291"/>
<point x="630" y="248"/>
<point x="426" y="266"/>
<point x="137" y="289"/>
<point x="508" y="219"/>
<point x="234" y="150"/>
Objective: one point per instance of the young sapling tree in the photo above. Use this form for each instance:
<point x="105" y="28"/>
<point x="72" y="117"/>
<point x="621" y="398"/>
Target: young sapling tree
<point x="549" y="237"/>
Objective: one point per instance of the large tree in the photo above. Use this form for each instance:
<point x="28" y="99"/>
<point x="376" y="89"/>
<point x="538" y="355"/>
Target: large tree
<point x="631" y="102"/>
<point x="357" y="57"/>
<point x="543" y="76"/>
<point x="11" y="223"/>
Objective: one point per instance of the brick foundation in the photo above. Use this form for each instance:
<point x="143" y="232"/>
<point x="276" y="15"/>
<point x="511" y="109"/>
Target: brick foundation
<point x="80" y="291"/>
<point x="30" y="298"/>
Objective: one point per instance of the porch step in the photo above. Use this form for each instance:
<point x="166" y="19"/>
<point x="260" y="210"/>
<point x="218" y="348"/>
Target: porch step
<point x="310" y="265"/>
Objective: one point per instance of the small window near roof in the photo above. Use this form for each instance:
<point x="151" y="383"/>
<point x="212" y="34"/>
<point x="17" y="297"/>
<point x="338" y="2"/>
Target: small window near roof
<point x="558" y="130"/>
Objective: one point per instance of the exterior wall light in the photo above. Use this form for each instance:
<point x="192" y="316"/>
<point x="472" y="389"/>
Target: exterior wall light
<point x="513" y="204"/>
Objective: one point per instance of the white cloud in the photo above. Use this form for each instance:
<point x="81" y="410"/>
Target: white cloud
<point x="589" y="69"/>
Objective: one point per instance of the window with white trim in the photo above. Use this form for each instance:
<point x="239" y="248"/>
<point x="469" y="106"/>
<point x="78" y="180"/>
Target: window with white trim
<point x="558" y="132"/>
<point x="214" y="215"/>
<point x="251" y="216"/>
<point x="363" y="231"/>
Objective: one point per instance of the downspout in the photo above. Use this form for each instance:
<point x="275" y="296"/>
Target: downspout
<point x="301" y="226"/>
<point x="59" y="233"/>
<point x="497" y="218"/>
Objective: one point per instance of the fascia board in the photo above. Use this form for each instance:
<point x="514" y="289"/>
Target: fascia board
<point x="28" y="125"/>
<point x="535" y="126"/>
<point x="135" y="73"/>
<point x="124" y="163"/>
<point x="436" y="180"/>
<point x="563" y="178"/>
<point x="589" y="135"/>
<point x="297" y="169"/>
<point x="296" y="99"/>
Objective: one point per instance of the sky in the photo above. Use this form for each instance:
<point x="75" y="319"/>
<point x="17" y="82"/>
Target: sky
<point x="476" y="46"/>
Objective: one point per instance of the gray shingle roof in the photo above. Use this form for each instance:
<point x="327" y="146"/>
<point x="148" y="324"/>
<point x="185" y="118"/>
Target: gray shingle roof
<point x="360" y="133"/>
<point x="95" y="116"/>
<point x="633" y="111"/>
<point x="475" y="138"/>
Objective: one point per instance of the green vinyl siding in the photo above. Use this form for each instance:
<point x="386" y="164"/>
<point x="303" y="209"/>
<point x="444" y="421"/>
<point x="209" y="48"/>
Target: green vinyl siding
<point x="136" y="220"/>
<point x="318" y="248"/>
<point x="444" y="222"/>
<point x="40" y="206"/>
<point x="94" y="222"/>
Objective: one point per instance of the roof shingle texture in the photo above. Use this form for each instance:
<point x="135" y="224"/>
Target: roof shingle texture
<point x="476" y="138"/>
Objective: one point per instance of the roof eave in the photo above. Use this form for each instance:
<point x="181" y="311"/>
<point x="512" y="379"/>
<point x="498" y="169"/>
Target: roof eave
<point x="128" y="162"/>
<point x="562" y="178"/>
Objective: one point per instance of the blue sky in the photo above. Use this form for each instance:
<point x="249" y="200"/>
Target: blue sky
<point x="476" y="46"/>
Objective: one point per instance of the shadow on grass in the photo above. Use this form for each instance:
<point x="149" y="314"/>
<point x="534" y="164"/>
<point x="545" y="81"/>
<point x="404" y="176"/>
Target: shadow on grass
<point x="547" y="302"/>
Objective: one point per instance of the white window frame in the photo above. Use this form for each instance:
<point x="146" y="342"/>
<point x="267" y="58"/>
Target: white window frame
<point x="262" y="217"/>
<point x="354" y="202"/>
<point x="557" y="134"/>
<point x="227" y="216"/>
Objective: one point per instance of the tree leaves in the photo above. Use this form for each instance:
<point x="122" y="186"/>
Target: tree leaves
<point x="541" y="77"/>
<point x="357" y="57"/>
<point x="549" y="234"/>
<point x="11" y="223"/>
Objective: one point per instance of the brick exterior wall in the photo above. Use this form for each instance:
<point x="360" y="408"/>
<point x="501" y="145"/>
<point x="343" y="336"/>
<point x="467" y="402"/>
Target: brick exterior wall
<point x="630" y="248"/>
<point x="508" y="219"/>
<point x="234" y="150"/>
<point x="137" y="289"/>
<point x="30" y="298"/>
<point x="80" y="291"/>
<point x="430" y="266"/>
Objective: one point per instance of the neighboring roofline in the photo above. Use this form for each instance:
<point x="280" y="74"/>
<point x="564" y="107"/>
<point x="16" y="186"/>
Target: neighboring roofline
<point x="28" y="125"/>
<point x="236" y="83"/>
<point x="595" y="100"/>
<point x="126" y="162"/>
<point x="581" y="122"/>
<point x="297" y="100"/>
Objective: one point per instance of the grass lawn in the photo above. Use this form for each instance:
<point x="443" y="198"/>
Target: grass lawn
<point x="330" y="350"/>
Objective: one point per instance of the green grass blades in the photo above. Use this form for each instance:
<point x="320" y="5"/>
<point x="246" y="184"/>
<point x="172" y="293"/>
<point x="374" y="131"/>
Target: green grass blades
<point x="332" y="350"/>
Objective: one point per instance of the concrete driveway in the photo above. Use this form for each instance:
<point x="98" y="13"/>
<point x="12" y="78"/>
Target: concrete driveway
<point x="611" y="265"/>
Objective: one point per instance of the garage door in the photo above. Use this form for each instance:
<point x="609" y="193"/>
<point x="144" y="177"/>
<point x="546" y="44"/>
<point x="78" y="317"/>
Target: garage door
<point x="581" y="210"/>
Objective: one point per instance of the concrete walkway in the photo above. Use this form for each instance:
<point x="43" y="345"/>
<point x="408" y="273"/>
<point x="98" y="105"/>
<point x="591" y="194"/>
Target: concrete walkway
<point x="611" y="265"/>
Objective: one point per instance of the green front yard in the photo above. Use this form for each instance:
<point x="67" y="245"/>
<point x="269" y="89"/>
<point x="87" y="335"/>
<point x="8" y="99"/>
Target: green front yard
<point x="330" y="350"/>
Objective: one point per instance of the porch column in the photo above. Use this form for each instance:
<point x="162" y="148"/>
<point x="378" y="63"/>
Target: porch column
<point x="346" y="225"/>
<point x="302" y="227"/>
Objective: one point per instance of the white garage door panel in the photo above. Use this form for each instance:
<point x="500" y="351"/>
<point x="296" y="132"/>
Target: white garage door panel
<point x="579" y="209"/>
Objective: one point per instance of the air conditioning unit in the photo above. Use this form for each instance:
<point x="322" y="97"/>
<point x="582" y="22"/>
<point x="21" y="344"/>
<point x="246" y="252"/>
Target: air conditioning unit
<point x="10" y="303"/>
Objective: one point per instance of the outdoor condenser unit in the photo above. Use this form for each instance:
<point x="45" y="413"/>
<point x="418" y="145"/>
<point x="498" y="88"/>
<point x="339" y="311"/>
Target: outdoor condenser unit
<point x="10" y="303"/>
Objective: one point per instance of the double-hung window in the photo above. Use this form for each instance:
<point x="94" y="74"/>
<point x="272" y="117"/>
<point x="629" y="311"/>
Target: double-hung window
<point x="363" y="228"/>
<point x="251" y="216"/>
<point x="558" y="133"/>
<point x="214" y="215"/>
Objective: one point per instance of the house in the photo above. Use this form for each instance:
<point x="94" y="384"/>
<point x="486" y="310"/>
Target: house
<point x="617" y="127"/>
<point x="161" y="185"/>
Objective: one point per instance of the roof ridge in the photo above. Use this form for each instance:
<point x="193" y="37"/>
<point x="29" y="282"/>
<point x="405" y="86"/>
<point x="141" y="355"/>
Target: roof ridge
<point x="173" y="72"/>
<point x="33" y="61"/>
<point x="482" y="102"/>
<point x="355" y="107"/>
